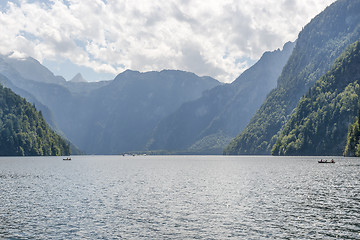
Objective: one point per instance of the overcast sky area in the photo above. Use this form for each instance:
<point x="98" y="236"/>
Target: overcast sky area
<point x="101" y="38"/>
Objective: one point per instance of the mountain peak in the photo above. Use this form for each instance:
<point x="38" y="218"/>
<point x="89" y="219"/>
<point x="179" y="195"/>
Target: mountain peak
<point x="78" y="78"/>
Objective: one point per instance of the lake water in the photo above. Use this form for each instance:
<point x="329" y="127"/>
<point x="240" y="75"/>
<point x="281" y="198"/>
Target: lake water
<point x="179" y="197"/>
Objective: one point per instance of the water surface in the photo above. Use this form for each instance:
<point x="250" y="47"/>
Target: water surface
<point x="179" y="197"/>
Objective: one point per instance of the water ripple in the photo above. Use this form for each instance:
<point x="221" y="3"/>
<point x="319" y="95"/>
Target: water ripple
<point x="179" y="197"/>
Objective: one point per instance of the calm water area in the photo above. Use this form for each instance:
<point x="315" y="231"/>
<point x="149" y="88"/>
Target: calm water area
<point x="179" y="197"/>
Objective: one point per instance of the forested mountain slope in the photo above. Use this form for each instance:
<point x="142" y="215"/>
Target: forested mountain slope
<point x="352" y="148"/>
<point x="23" y="130"/>
<point x="317" y="47"/>
<point x="319" y="125"/>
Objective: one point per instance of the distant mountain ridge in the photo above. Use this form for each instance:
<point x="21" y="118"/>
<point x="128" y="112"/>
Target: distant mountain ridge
<point x="107" y="117"/>
<point x="78" y="78"/>
<point x="142" y="100"/>
<point x="30" y="68"/>
<point x="206" y="125"/>
<point x="118" y="116"/>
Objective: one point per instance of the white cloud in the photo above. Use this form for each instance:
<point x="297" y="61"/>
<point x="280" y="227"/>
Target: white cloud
<point x="205" y="37"/>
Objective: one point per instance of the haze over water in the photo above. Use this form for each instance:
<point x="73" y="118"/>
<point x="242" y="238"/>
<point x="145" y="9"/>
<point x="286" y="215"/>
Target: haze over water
<point x="179" y="197"/>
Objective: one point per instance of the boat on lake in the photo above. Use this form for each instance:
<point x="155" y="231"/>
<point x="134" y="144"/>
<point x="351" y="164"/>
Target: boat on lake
<point x="67" y="159"/>
<point x="326" y="161"/>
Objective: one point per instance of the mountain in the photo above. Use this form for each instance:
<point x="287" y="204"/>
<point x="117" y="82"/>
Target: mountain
<point x="30" y="68"/>
<point x="123" y="114"/>
<point x="80" y="86"/>
<point x="319" y="125"/>
<point x="23" y="130"/>
<point x="206" y="125"/>
<point x="107" y="117"/>
<point x="45" y="95"/>
<point x="318" y="45"/>
<point x="28" y="74"/>
<point x="45" y="110"/>
<point x="16" y="84"/>
<point x="84" y="88"/>
<point x="31" y="84"/>
<point x="42" y="90"/>
<point x="78" y="78"/>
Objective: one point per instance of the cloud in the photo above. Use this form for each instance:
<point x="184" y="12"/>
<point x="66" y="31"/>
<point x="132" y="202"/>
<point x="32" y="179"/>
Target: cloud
<point x="215" y="38"/>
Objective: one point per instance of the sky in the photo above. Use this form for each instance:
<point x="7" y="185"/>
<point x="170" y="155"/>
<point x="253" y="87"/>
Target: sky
<point x="102" y="38"/>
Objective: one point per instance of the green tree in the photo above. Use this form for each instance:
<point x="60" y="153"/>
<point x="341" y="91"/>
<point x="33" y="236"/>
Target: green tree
<point x="320" y="122"/>
<point x="317" y="46"/>
<point x="23" y="130"/>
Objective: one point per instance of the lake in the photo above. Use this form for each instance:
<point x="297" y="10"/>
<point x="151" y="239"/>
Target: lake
<point x="179" y="197"/>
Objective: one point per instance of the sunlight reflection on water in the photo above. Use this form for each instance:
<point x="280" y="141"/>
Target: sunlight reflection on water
<point x="179" y="197"/>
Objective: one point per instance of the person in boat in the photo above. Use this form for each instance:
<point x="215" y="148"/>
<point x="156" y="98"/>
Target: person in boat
<point x="332" y="161"/>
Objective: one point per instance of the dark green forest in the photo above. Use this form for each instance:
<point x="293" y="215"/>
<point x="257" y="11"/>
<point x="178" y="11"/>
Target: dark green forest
<point x="352" y="148"/>
<point x="320" y="122"/>
<point x="317" y="47"/>
<point x="23" y="130"/>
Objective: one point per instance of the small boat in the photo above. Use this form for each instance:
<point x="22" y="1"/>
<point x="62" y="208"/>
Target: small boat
<point x="326" y="161"/>
<point x="67" y="159"/>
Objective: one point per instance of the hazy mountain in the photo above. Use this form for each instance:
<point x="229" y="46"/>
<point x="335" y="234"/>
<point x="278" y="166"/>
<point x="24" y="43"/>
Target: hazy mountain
<point x="319" y="125"/>
<point x="318" y="45"/>
<point x="36" y="92"/>
<point x="6" y="72"/>
<point x="109" y="116"/>
<point x="30" y="68"/>
<point x="23" y="130"/>
<point x="84" y="88"/>
<point x="21" y="71"/>
<point x="78" y="78"/>
<point x="122" y="115"/>
<point x="207" y="124"/>
<point x="80" y="86"/>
